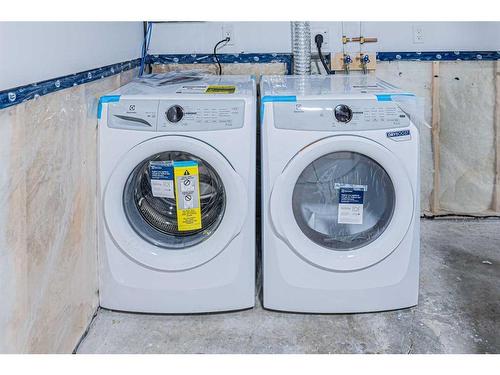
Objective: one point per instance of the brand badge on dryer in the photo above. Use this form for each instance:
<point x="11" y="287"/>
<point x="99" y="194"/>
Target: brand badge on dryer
<point x="399" y="135"/>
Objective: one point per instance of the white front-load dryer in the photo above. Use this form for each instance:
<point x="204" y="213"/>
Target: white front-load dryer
<point x="340" y="195"/>
<point x="176" y="224"/>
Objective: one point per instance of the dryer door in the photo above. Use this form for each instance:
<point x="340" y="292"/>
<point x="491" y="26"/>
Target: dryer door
<point x="144" y="226"/>
<point x="343" y="203"/>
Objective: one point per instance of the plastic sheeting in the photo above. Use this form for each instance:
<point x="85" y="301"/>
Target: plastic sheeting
<point x="48" y="272"/>
<point x="343" y="200"/>
<point x="466" y="97"/>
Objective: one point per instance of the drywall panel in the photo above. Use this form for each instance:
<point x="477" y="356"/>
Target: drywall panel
<point x="37" y="51"/>
<point x="48" y="246"/>
<point x="467" y="100"/>
<point x="437" y="36"/>
<point x="200" y="37"/>
<point x="416" y="77"/>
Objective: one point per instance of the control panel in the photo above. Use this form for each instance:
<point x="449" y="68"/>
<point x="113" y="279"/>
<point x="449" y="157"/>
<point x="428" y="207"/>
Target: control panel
<point x="189" y="115"/>
<point x="176" y="115"/>
<point x="332" y="115"/>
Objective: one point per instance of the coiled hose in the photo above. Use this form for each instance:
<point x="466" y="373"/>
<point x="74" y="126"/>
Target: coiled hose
<point x="161" y="213"/>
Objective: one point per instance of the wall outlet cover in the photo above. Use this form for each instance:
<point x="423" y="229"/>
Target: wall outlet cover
<point x="326" y="39"/>
<point x="228" y="31"/>
<point x="418" y="34"/>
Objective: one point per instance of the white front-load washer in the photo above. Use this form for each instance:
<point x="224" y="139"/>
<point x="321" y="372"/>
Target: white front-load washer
<point x="340" y="194"/>
<point x="164" y="248"/>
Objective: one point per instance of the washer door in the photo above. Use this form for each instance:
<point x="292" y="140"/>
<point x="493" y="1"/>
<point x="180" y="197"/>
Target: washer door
<point x="145" y="228"/>
<point x="313" y="209"/>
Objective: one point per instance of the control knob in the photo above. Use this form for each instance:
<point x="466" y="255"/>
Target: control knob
<point x="343" y="113"/>
<point x="175" y="113"/>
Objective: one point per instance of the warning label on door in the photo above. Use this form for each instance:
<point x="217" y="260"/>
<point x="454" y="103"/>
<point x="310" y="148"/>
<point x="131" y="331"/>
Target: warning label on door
<point x="161" y="175"/>
<point x="351" y="205"/>
<point x="187" y="195"/>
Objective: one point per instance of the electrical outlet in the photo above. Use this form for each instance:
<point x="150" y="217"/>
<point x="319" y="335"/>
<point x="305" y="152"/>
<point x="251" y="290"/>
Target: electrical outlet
<point x="228" y="32"/>
<point x="326" y="41"/>
<point x="418" y="34"/>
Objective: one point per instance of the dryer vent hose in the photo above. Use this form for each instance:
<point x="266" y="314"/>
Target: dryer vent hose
<point x="301" y="45"/>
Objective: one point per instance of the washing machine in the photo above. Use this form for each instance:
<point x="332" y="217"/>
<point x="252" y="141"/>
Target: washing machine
<point x="176" y="223"/>
<point x="340" y="194"/>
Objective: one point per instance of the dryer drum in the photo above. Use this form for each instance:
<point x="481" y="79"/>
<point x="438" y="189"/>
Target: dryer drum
<point x="155" y="218"/>
<point x="315" y="200"/>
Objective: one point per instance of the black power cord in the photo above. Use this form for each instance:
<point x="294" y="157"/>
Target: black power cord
<point x="318" y="39"/>
<point x="226" y="39"/>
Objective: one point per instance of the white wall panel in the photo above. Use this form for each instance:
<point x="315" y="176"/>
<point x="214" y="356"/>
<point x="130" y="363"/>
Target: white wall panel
<point x="36" y="51"/>
<point x="200" y="37"/>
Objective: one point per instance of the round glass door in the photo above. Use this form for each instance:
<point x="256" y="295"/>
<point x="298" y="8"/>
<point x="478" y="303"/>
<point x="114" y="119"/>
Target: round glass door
<point x="155" y="218"/>
<point x="343" y="200"/>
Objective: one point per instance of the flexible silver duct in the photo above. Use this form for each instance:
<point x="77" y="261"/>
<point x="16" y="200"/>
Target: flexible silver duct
<point x="301" y="48"/>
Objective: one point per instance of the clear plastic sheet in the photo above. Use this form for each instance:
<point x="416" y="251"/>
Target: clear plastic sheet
<point x="48" y="218"/>
<point x="458" y="155"/>
<point x="317" y="199"/>
<point x="172" y="78"/>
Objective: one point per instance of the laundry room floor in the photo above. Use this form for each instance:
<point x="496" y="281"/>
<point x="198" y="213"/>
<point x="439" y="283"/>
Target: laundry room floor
<point x="458" y="312"/>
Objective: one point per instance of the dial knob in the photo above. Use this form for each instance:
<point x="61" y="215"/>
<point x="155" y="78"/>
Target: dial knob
<point x="343" y="113"/>
<point x="175" y="113"/>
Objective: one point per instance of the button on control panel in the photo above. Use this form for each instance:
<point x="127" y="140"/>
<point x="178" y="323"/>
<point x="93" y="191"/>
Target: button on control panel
<point x="190" y="115"/>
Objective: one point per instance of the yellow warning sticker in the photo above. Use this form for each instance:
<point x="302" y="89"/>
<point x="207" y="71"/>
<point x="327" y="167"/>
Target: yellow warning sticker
<point x="187" y="195"/>
<point x="220" y="89"/>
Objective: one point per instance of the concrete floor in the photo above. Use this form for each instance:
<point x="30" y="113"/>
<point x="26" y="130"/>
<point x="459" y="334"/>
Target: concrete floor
<point x="458" y="312"/>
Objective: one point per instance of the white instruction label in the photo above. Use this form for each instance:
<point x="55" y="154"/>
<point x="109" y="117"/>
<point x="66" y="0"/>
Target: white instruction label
<point x="192" y="89"/>
<point x="162" y="179"/>
<point x="351" y="206"/>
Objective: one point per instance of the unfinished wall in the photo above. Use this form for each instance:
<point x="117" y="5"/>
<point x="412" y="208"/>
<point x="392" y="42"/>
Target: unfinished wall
<point x="48" y="248"/>
<point x="416" y="77"/>
<point x="467" y="152"/>
<point x="246" y="68"/>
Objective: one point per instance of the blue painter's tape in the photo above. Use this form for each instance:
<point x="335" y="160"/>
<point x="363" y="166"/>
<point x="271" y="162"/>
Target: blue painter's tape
<point x="384" y="98"/>
<point x="187" y="163"/>
<point x="388" y="97"/>
<point x="439" y="56"/>
<point x="279" y="98"/>
<point x="275" y="99"/>
<point x="17" y="95"/>
<point x="106" y="99"/>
